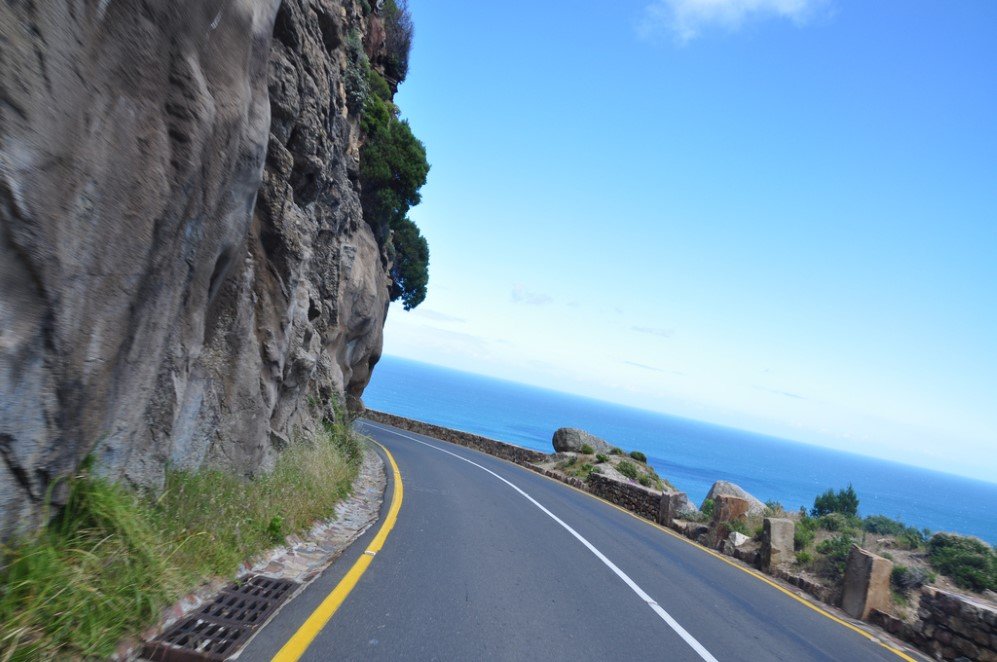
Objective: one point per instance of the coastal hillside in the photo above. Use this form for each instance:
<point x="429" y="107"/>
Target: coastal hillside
<point x="190" y="270"/>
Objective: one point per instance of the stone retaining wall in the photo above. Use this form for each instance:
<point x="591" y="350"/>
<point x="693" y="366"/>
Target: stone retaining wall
<point x="635" y="498"/>
<point x="949" y="626"/>
<point x="509" y="452"/>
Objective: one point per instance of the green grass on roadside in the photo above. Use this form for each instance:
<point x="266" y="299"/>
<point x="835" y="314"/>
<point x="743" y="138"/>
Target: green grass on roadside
<point x="112" y="559"/>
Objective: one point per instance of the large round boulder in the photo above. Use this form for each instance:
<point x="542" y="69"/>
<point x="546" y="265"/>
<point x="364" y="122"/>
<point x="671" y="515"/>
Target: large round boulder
<point x="722" y="487"/>
<point x="571" y="440"/>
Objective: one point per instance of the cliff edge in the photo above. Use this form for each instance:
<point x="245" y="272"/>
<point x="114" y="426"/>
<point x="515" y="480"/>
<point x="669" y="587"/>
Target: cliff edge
<point x="186" y="277"/>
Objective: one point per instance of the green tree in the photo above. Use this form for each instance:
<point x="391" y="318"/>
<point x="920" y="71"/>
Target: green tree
<point x="846" y="501"/>
<point x="410" y="269"/>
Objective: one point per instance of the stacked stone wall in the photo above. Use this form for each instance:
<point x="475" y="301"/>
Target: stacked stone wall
<point x="635" y="498"/>
<point x="510" y="452"/>
<point x="948" y="626"/>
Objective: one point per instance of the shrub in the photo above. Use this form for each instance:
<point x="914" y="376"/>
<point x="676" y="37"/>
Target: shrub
<point x="645" y="480"/>
<point x="640" y="457"/>
<point x="398" y="32"/>
<point x="906" y="579"/>
<point x="804" y="532"/>
<point x="628" y="469"/>
<point x="587" y="449"/>
<point x="708" y="507"/>
<point x="774" y="508"/>
<point x="616" y="451"/>
<point x="969" y="562"/>
<point x="738" y="525"/>
<point x="356" y="76"/>
<point x="907" y="536"/>
<point x="845" y="501"/>
<point x="804" y="558"/>
<point x="835" y="551"/>
<point x="838" y="522"/>
<point x="600" y="458"/>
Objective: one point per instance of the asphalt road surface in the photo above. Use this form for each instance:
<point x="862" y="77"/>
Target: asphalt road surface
<point x="488" y="560"/>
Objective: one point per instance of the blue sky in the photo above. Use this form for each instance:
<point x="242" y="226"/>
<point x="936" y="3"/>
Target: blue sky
<point x="779" y="215"/>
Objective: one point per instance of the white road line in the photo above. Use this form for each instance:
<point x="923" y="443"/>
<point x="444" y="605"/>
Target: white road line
<point x="665" y="616"/>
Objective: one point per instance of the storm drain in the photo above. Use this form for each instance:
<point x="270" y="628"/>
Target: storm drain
<point x="219" y="629"/>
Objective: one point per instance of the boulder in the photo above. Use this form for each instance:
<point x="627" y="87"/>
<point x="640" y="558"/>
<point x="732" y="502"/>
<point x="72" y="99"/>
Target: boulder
<point x="728" y="508"/>
<point x="777" y="542"/>
<point x="672" y="503"/>
<point x="867" y="583"/>
<point x="722" y="487"/>
<point x="571" y="440"/>
<point x="737" y="539"/>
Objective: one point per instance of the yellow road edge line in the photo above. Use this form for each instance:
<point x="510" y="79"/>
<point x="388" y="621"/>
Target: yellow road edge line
<point x="757" y="575"/>
<point x="305" y="635"/>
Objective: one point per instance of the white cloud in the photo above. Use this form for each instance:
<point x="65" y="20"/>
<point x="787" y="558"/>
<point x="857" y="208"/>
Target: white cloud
<point x="687" y="18"/>
<point x="521" y="294"/>
<point x="654" y="331"/>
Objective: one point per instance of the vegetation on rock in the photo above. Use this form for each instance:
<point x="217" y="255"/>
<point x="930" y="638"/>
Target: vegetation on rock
<point x="112" y="559"/>
<point x="393" y="165"/>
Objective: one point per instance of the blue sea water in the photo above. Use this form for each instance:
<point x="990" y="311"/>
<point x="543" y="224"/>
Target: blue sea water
<point x="691" y="454"/>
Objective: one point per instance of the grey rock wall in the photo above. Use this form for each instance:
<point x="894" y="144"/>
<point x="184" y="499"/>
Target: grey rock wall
<point x="185" y="276"/>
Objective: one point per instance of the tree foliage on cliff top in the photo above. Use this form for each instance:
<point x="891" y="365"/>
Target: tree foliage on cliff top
<point x="393" y="167"/>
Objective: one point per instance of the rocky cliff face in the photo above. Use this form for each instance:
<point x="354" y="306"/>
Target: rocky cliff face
<point x="185" y="274"/>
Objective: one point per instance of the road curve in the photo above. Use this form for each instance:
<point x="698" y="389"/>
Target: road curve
<point x="488" y="560"/>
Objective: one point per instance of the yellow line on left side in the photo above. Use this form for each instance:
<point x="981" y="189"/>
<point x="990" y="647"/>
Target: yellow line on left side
<point x="302" y="639"/>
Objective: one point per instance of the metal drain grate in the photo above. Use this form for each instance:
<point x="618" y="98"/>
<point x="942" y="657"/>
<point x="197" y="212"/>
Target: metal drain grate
<point x="218" y="629"/>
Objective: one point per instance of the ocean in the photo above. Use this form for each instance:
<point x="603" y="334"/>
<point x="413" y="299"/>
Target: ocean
<point x="690" y="454"/>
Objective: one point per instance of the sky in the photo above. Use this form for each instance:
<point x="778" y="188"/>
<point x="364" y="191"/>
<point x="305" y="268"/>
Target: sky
<point x="778" y="215"/>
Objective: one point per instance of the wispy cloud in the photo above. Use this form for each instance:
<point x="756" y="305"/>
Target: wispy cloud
<point x="654" y="331"/>
<point x="652" y="368"/>
<point x="686" y="19"/>
<point x="787" y="394"/>
<point x="644" y="366"/>
<point x="437" y="316"/>
<point x="521" y="294"/>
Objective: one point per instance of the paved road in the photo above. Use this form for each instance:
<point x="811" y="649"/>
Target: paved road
<point x="476" y="569"/>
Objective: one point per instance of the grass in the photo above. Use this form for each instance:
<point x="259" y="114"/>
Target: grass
<point x="112" y="559"/>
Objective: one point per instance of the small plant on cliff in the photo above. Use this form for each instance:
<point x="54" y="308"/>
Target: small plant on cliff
<point x="628" y="469"/>
<point x="640" y="457"/>
<point x="835" y="551"/>
<point x="969" y="562"/>
<point x="804" y="558"/>
<point x="600" y="458"/>
<point x="708" y="507"/>
<point x="906" y="579"/>
<point x="845" y="501"/>
<point x="587" y="449"/>
<point x="645" y="480"/>
<point x="616" y="451"/>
